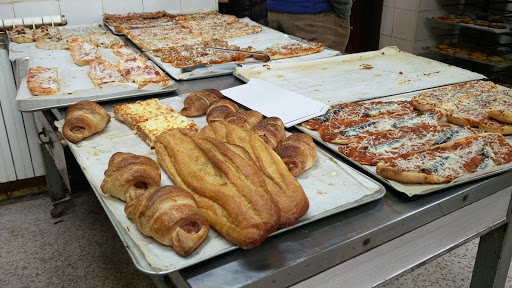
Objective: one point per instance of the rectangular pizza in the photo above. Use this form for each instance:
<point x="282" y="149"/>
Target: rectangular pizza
<point x="83" y="51"/>
<point x="138" y="71"/>
<point x="102" y="72"/>
<point x="150" y="129"/>
<point x="43" y="81"/>
<point x="133" y="113"/>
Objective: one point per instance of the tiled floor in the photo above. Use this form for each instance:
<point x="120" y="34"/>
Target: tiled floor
<point x="82" y="249"/>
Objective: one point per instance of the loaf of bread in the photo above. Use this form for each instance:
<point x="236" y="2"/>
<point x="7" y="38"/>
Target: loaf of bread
<point x="245" y="119"/>
<point x="170" y="215"/>
<point x="298" y="152"/>
<point x="286" y="190"/>
<point x="220" y="110"/>
<point x="271" y="131"/>
<point x="83" y="119"/>
<point x="228" y="186"/>
<point x="198" y="102"/>
<point x="129" y="175"/>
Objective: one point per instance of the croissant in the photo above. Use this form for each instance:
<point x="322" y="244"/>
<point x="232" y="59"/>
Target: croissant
<point x="245" y="119"/>
<point x="283" y="186"/>
<point x="197" y="102"/>
<point x="271" y="130"/>
<point x="129" y="175"/>
<point x="220" y="110"/>
<point x="227" y="184"/>
<point x="298" y="152"/>
<point x="170" y="215"/>
<point x="83" y="119"/>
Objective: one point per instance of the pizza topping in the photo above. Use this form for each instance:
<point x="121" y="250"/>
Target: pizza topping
<point x="387" y="145"/>
<point x="448" y="135"/>
<point x="353" y="131"/>
<point x="42" y="81"/>
<point x="435" y="165"/>
<point x="381" y="109"/>
<point x="429" y="118"/>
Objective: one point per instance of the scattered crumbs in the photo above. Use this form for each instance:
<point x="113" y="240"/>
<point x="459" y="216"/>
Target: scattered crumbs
<point x="58" y="221"/>
<point x="279" y="76"/>
<point x="96" y="153"/>
<point x="316" y="90"/>
<point x="325" y="68"/>
<point x="366" y="67"/>
<point x="383" y="53"/>
<point x="267" y="66"/>
<point x="128" y="228"/>
<point x="377" y="75"/>
<point x="333" y="173"/>
<point x="320" y="192"/>
<point x="401" y="73"/>
<point x="69" y="93"/>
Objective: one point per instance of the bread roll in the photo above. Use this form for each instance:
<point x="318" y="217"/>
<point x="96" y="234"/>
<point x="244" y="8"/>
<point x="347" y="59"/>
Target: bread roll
<point x="228" y="186"/>
<point x="285" y="189"/>
<point x="220" y="110"/>
<point x="170" y="215"/>
<point x="83" y="119"/>
<point x="245" y="119"/>
<point x="271" y="131"/>
<point x="298" y="152"/>
<point x="129" y="175"/>
<point x="197" y="102"/>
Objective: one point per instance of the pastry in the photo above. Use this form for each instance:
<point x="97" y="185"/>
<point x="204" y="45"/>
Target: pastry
<point x="271" y="130"/>
<point x="220" y="110"/>
<point x="84" y="119"/>
<point x="197" y="102"/>
<point x="298" y="152"/>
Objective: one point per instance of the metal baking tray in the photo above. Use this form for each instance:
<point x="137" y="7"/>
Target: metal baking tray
<point x="359" y="76"/>
<point x="266" y="38"/>
<point x="74" y="82"/>
<point x="410" y="189"/>
<point x="506" y="30"/>
<point x="506" y="62"/>
<point x="330" y="185"/>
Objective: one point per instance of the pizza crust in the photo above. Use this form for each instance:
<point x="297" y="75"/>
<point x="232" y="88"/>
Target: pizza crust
<point x="495" y="126"/>
<point x="408" y="176"/>
<point x="500" y="115"/>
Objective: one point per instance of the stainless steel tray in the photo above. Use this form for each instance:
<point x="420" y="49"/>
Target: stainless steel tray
<point x="359" y="76"/>
<point x="75" y="84"/>
<point x="410" y="189"/>
<point x="330" y="185"/>
<point x="266" y="38"/>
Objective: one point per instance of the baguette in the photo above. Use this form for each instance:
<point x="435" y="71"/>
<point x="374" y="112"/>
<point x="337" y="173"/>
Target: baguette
<point x="283" y="186"/>
<point x="229" y="187"/>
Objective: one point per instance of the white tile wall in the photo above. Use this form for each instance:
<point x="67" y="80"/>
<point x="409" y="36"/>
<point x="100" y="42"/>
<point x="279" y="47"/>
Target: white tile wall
<point x="39" y="8"/>
<point x="5" y="2"/>
<point x="124" y="6"/>
<point x="404" y="24"/>
<point x="384" y="41"/>
<point x="408" y="4"/>
<point x="82" y="11"/>
<point x="390" y="3"/>
<point x="429" y="5"/>
<point x="6" y="11"/>
<point x="195" y="5"/>
<point x="157" y="5"/>
<point x="388" y="16"/>
<point x="404" y="45"/>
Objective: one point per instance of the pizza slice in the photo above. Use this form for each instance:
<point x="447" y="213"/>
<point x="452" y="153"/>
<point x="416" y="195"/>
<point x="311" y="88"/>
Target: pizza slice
<point x="47" y="32"/>
<point x="495" y="126"/>
<point x="43" y="81"/>
<point x="124" y="51"/>
<point x="52" y="44"/>
<point x="83" y="51"/>
<point x="138" y="71"/>
<point x="150" y="129"/>
<point x="105" y="39"/>
<point x="387" y="144"/>
<point x="447" y="97"/>
<point x="102" y="72"/>
<point x="354" y="130"/>
<point x="21" y="34"/>
<point x="290" y="50"/>
<point x="446" y="162"/>
<point x="502" y="109"/>
<point x="133" y="113"/>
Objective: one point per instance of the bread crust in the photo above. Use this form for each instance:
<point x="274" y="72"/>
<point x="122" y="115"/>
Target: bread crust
<point x="197" y="103"/>
<point x="83" y="119"/>
<point x="298" y="152"/>
<point x="271" y="131"/>
<point x="408" y="176"/>
<point x="495" y="126"/>
<point x="229" y="188"/>
<point x="292" y="201"/>
<point x="500" y="115"/>
<point x="221" y="109"/>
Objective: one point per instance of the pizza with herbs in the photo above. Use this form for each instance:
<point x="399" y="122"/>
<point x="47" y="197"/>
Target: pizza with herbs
<point x="446" y="162"/>
<point x="449" y="96"/>
<point x="43" y="81"/>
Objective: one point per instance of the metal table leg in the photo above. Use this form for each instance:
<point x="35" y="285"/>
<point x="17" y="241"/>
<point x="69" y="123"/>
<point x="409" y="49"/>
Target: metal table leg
<point x="493" y="256"/>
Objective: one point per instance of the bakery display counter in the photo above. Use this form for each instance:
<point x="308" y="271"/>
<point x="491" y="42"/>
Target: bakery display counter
<point x="365" y="245"/>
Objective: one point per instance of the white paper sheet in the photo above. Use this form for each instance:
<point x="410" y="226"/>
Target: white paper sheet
<point x="273" y="101"/>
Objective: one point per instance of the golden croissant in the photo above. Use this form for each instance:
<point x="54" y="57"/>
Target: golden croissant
<point x="170" y="215"/>
<point x="83" y="119"/>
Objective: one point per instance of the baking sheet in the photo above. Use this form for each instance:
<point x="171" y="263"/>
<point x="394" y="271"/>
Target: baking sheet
<point x="266" y="38"/>
<point x="22" y="50"/>
<point x="359" y="76"/>
<point x="506" y="30"/>
<point x="75" y="84"/>
<point x="412" y="189"/>
<point x="331" y="187"/>
<point x="506" y="62"/>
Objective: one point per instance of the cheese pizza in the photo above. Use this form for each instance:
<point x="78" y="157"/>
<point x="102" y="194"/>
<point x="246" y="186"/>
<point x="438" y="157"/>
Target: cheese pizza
<point x="150" y="129"/>
<point x="47" y="32"/>
<point x="138" y="71"/>
<point x="132" y="114"/>
<point x="43" y="81"/>
<point x="290" y="50"/>
<point x="21" y="34"/>
<point x="446" y="162"/>
<point x="102" y="72"/>
<point x="83" y="51"/>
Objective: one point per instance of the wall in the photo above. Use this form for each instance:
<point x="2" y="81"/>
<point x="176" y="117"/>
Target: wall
<point x="91" y="11"/>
